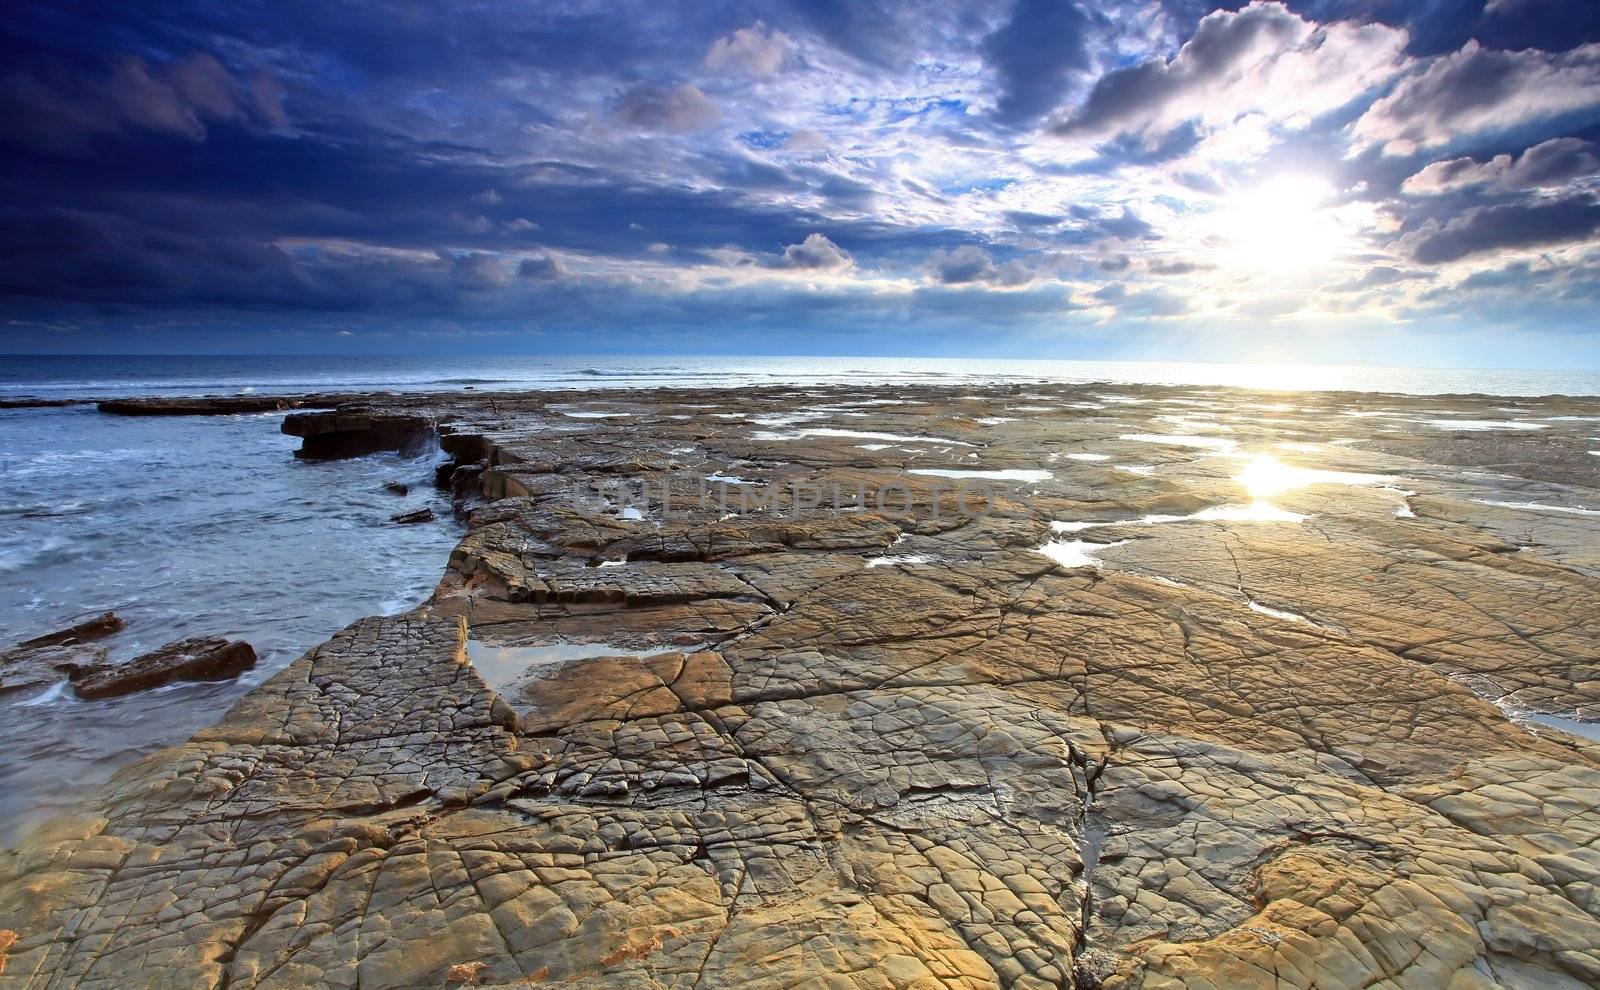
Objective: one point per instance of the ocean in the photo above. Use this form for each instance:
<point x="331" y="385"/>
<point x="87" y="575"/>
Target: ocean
<point x="209" y="525"/>
<point x="69" y="377"/>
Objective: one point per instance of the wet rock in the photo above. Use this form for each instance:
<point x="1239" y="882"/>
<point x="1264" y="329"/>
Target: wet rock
<point x="1237" y="748"/>
<point x="397" y="488"/>
<point x="40" y="667"/>
<point x="99" y="627"/>
<point x="45" y="660"/>
<point x="421" y="515"/>
<point x="35" y="403"/>
<point x="198" y="658"/>
<point x="354" y="431"/>
<point x="211" y="406"/>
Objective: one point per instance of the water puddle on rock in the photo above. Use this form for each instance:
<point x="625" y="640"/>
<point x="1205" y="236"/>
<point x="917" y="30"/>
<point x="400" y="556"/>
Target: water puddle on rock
<point x="1588" y="730"/>
<point x="1279" y="613"/>
<point x="828" y="431"/>
<point x="1482" y="425"/>
<point x="510" y="669"/>
<point x="1012" y="474"/>
<point x="1184" y="440"/>
<point x="1251" y="513"/>
<point x="1266" y="476"/>
<point x="1539" y="507"/>
<point x="915" y="558"/>
<point x="1077" y="553"/>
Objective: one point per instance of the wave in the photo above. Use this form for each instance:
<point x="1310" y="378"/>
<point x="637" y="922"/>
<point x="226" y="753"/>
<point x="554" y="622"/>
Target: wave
<point x="44" y="510"/>
<point x="668" y="371"/>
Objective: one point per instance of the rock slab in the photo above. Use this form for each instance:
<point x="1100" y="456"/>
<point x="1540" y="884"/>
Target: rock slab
<point x="198" y="658"/>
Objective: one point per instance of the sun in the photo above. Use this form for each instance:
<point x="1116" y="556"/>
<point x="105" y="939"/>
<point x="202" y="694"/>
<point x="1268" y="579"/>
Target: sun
<point x="1281" y="225"/>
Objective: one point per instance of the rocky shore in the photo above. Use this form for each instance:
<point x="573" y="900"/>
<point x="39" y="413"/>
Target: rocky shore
<point x="912" y="687"/>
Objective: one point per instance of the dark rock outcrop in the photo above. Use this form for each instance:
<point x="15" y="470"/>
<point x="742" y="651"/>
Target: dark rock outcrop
<point x="34" y="403"/>
<point x="198" y="658"/>
<point x="421" y="515"/>
<point x="204" y="406"/>
<point x="99" y="627"/>
<point x="354" y="431"/>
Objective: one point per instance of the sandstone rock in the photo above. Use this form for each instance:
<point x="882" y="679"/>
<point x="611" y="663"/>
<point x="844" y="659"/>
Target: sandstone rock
<point x="870" y="748"/>
<point x="199" y="658"/>
<point x="421" y="515"/>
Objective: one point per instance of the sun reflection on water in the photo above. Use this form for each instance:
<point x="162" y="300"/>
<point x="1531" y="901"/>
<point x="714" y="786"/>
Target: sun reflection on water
<point x="1266" y="476"/>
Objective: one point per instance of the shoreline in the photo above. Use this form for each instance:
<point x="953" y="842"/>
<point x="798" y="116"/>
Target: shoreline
<point x="966" y="761"/>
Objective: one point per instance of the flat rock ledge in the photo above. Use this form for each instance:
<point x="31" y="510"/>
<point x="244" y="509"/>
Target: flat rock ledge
<point x="899" y="748"/>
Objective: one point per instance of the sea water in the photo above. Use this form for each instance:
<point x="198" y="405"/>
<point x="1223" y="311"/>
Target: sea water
<point x="184" y="526"/>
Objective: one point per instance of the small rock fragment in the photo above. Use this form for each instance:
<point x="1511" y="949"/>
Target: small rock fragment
<point x="466" y="972"/>
<point x="421" y="515"/>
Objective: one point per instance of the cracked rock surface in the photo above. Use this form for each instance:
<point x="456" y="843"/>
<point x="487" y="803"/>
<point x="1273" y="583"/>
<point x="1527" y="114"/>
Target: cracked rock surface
<point x="1196" y="688"/>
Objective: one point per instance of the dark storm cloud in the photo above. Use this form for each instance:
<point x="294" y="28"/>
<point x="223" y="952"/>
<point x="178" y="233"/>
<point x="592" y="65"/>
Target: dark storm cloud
<point x="541" y="267"/>
<point x="969" y="264"/>
<point x="1037" y="56"/>
<point x="1508" y="225"/>
<point x="1439" y="26"/>
<point x="1088" y="225"/>
<point x="54" y="109"/>
<point x="1139" y="149"/>
<point x="608" y="167"/>
<point x="682" y="108"/>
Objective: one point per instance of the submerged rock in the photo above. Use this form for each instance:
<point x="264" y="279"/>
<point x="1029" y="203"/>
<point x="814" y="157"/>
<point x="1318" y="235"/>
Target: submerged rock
<point x="198" y="658"/>
<point x="397" y="488"/>
<point x="421" y="515"/>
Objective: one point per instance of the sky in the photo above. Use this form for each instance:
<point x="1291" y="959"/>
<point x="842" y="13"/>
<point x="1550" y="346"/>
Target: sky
<point x="1365" y="181"/>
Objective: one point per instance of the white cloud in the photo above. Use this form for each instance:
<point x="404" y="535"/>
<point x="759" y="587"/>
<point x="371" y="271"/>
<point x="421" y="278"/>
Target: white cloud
<point x="816" y="252"/>
<point x="753" y="51"/>
<point x="1262" y="62"/>
<point x="1478" y="90"/>
<point x="806" y="140"/>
